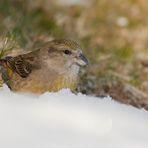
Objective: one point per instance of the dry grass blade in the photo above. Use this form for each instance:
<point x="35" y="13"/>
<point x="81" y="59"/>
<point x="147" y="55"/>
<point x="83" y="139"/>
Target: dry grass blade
<point x="7" y="45"/>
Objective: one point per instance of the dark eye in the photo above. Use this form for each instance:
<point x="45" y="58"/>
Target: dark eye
<point x="68" y="52"/>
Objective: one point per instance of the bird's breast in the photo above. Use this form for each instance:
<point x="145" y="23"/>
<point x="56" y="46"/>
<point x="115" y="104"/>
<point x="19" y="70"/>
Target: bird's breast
<point x="43" y="81"/>
<point x="63" y="82"/>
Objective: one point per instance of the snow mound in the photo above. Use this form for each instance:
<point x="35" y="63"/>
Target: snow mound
<point x="65" y="120"/>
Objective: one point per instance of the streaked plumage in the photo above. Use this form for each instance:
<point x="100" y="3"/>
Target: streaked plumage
<point x="50" y="68"/>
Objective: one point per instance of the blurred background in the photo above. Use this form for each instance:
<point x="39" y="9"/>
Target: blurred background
<point x="113" y="34"/>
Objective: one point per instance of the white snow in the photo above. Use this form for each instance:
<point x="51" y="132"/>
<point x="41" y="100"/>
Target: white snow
<point x="65" y="120"/>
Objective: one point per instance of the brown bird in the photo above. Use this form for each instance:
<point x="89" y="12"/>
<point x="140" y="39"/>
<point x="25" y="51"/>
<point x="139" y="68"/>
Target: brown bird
<point x="54" y="66"/>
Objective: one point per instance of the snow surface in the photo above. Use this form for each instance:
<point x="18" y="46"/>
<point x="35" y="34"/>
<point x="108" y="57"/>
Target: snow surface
<point x="65" y="120"/>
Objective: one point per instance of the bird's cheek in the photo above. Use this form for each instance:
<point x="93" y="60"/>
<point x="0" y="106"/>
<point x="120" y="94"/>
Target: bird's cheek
<point x="69" y="62"/>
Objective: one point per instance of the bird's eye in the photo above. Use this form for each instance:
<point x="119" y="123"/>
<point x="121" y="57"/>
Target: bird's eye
<point x="68" y="52"/>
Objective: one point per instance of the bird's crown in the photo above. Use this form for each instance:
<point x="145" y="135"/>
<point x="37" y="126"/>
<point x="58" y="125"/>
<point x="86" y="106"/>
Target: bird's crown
<point x="66" y="43"/>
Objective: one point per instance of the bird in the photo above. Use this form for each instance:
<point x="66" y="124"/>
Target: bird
<point x="50" y="68"/>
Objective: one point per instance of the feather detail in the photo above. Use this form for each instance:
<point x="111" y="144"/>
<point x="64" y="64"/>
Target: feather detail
<point x="19" y="65"/>
<point x="22" y="64"/>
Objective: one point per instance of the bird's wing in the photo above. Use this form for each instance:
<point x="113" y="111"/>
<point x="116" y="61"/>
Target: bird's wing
<point x="22" y="65"/>
<point x="19" y="65"/>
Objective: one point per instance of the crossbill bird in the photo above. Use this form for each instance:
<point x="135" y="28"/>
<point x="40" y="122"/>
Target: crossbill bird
<point x="52" y="67"/>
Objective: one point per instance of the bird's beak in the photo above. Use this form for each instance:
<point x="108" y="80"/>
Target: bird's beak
<point x="82" y="60"/>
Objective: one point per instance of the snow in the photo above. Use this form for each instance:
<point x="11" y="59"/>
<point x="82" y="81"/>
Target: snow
<point x="66" y="120"/>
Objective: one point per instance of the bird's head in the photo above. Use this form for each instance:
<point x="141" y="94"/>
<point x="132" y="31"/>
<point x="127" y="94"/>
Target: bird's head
<point x="64" y="55"/>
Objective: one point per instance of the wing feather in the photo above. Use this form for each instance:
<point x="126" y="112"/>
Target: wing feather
<point x="21" y="65"/>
